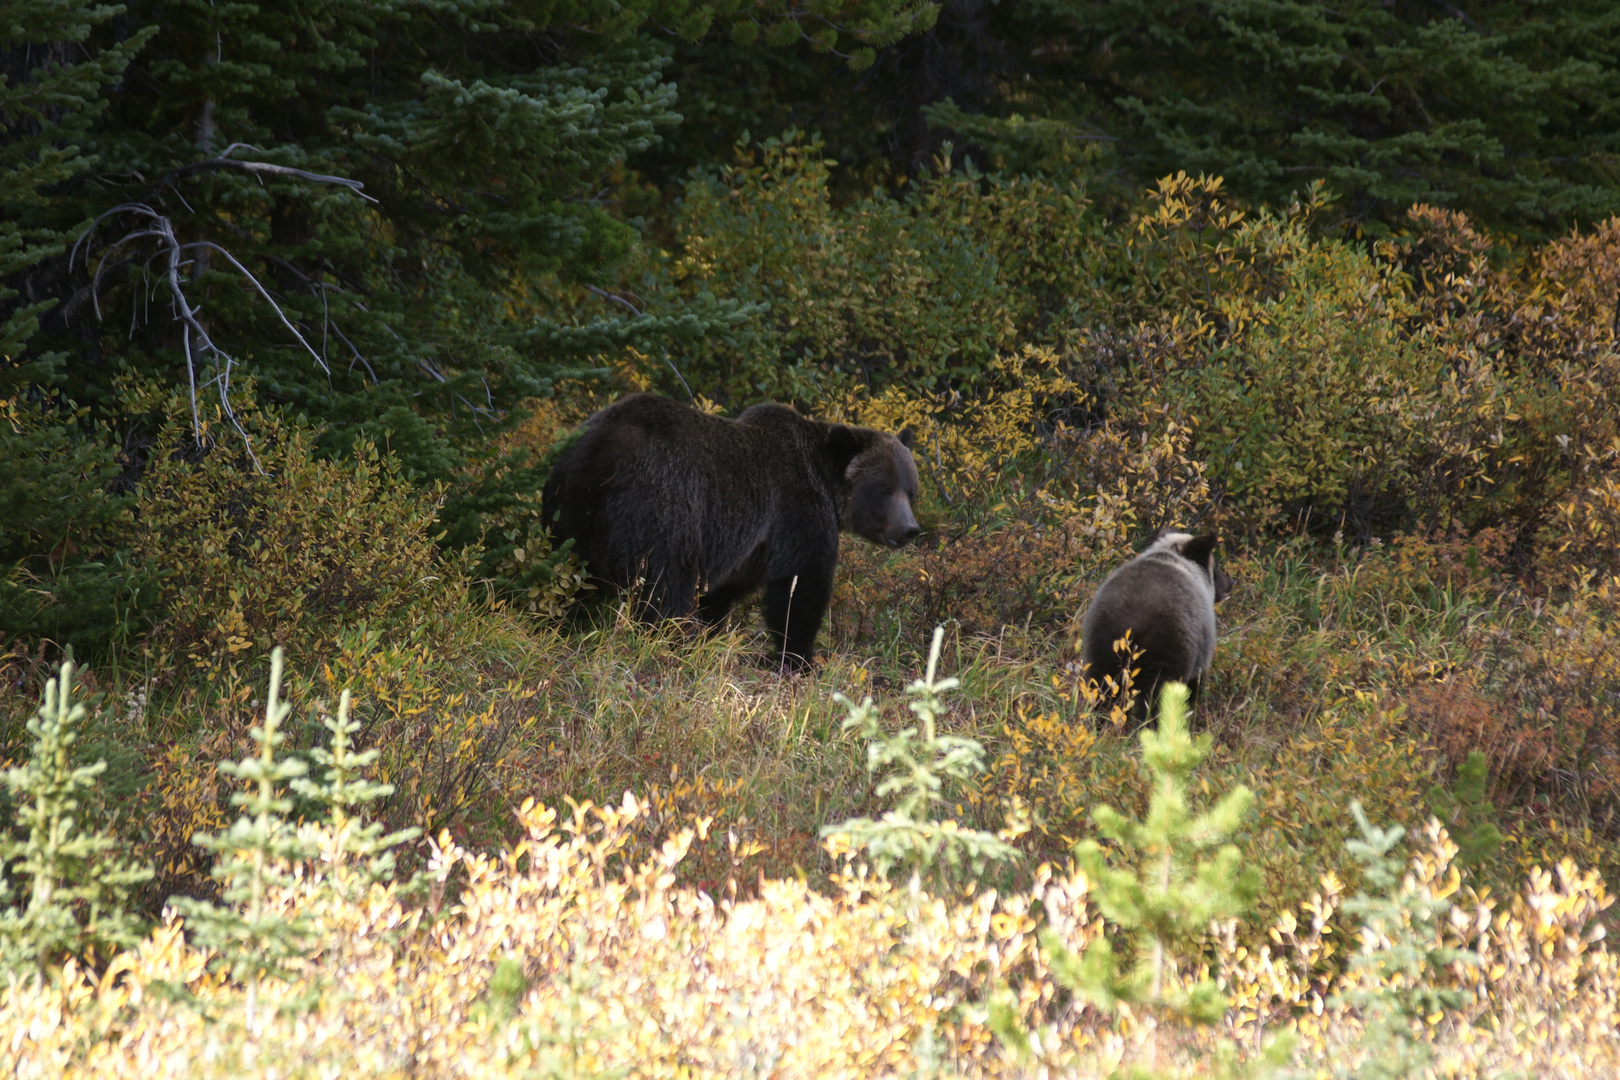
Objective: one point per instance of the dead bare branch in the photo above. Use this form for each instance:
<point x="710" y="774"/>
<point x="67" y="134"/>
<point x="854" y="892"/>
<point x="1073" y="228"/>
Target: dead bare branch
<point x="195" y="338"/>
<point x="263" y="168"/>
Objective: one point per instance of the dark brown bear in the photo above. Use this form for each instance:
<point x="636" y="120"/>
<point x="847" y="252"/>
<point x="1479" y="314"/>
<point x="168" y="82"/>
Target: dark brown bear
<point x="689" y="504"/>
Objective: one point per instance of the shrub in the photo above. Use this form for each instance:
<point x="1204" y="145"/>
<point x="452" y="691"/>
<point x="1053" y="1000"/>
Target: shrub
<point x="1037" y="508"/>
<point x="285" y="550"/>
<point x="1294" y="364"/>
<point x="921" y="289"/>
<point x="66" y="574"/>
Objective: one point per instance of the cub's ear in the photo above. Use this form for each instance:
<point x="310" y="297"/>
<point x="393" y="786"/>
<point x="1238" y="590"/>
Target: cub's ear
<point x="1200" y="549"/>
<point x="843" y="443"/>
<point x="1223" y="584"/>
<point x="906" y="435"/>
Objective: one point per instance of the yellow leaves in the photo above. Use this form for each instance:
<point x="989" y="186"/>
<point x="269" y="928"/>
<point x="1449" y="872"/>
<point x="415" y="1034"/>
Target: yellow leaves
<point x="660" y="982"/>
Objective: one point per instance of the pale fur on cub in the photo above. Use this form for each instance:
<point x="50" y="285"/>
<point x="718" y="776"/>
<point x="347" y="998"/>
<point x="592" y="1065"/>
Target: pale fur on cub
<point x="1166" y="598"/>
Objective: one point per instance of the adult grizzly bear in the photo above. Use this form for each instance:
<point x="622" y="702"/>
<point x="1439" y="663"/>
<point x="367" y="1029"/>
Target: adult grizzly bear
<point x="1165" y="598"/>
<point x="688" y="503"/>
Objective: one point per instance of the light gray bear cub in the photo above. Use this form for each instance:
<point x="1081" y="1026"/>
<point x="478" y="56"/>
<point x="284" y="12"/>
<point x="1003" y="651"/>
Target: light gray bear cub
<point x="1166" y="598"/>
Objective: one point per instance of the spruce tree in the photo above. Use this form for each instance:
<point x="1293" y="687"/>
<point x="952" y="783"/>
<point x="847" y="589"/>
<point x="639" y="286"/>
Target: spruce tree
<point x="59" y="575"/>
<point x="50" y="93"/>
<point x="914" y="764"/>
<point x="1468" y="813"/>
<point x="353" y="853"/>
<point x="1395" y="979"/>
<point x="1504" y="110"/>
<point x="1161" y="891"/>
<point x="77" y="899"/>
<point x="250" y="934"/>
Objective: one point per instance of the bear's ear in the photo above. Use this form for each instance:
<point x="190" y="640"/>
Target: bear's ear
<point x="905" y="436"/>
<point x="843" y="443"/>
<point x="1223" y="584"/>
<point x="1200" y="549"/>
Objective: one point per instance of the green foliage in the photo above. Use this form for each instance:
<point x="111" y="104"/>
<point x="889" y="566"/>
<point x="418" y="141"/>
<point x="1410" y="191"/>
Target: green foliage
<point x="290" y="556"/>
<point x="47" y="103"/>
<point x="77" y="899"/>
<point x="392" y="215"/>
<point x="1396" y="978"/>
<point x="66" y="573"/>
<point x="918" y="762"/>
<point x="251" y="936"/>
<point x="58" y="577"/>
<point x="500" y="516"/>
<point x="1504" y="110"/>
<point x="340" y="836"/>
<point x="1168" y="894"/>
<point x="924" y="289"/>
<point x="1468" y="812"/>
<point x="507" y="985"/>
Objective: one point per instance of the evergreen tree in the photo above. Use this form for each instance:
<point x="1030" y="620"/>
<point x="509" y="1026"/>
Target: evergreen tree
<point x="1505" y="110"/>
<point x="250" y="933"/>
<point x="1166" y="894"/>
<point x="354" y="854"/>
<point x="914" y="763"/>
<point x="392" y="215"/>
<point x="1393" y="979"/>
<point x="49" y="95"/>
<point x="59" y="576"/>
<point x="77" y="900"/>
<point x="1468" y="812"/>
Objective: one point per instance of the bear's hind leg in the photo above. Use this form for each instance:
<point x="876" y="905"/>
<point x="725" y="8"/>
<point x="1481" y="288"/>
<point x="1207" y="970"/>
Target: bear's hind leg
<point x="794" y="608"/>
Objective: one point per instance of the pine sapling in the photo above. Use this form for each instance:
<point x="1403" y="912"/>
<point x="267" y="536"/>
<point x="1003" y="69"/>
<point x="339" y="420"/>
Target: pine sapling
<point x="1164" y="893"/>
<point x="1468" y="812"/>
<point x="250" y="933"/>
<point x="1391" y="980"/>
<point x="917" y="761"/>
<point x="352" y="854"/>
<point x="77" y="898"/>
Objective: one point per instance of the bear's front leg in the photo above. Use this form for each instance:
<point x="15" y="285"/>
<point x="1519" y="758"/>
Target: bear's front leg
<point x="668" y="592"/>
<point x="715" y="605"/>
<point x="794" y="607"/>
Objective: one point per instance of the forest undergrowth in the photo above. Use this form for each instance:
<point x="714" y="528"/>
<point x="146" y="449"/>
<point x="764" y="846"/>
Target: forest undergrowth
<point x="597" y="848"/>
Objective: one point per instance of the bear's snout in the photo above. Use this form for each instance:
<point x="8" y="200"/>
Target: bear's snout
<point x="902" y="525"/>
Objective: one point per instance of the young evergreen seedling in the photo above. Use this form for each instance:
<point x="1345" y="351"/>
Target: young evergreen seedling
<point x="918" y="761"/>
<point x="1468" y="812"/>
<point x="251" y="936"/>
<point x="1395" y="978"/>
<point x="342" y="840"/>
<point x="77" y="898"/>
<point x="1162" y="893"/>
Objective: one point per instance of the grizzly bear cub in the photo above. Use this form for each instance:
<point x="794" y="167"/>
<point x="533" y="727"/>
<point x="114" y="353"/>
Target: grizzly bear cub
<point x="1166" y="598"/>
<point x="704" y="511"/>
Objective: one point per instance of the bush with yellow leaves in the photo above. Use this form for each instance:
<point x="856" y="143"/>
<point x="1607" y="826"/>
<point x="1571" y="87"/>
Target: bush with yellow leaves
<point x="927" y="287"/>
<point x="264" y="544"/>
<point x="1034" y="509"/>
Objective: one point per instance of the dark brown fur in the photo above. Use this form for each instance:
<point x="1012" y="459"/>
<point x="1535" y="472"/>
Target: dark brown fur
<point x="705" y="511"/>
<point x="1165" y="598"/>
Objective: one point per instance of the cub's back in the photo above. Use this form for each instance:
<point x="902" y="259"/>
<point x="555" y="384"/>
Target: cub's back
<point x="1168" y="606"/>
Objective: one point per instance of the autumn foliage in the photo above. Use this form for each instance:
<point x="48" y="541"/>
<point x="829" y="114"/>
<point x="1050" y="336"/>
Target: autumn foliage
<point x="619" y="850"/>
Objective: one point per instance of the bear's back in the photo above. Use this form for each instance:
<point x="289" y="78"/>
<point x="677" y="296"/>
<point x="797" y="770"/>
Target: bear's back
<point x="1168" y="606"/>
